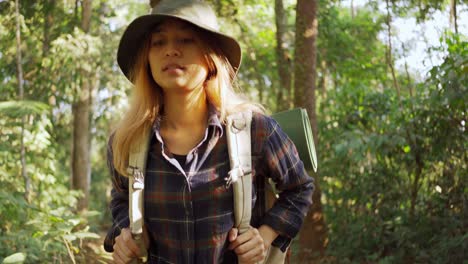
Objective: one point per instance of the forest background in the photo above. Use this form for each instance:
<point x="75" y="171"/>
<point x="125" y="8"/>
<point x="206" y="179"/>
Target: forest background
<point x="390" y="127"/>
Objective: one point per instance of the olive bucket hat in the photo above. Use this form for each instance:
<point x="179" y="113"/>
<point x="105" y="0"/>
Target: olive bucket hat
<point x="196" y="12"/>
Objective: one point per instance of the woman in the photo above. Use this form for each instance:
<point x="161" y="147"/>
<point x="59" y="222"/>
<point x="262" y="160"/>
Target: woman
<point x="182" y="69"/>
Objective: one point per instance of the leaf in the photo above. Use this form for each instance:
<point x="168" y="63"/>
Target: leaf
<point x="74" y="221"/>
<point x="55" y="219"/>
<point x="91" y="213"/>
<point x="22" y="108"/>
<point x="19" y="257"/>
<point x="86" y="235"/>
<point x="69" y="237"/>
<point x="406" y="149"/>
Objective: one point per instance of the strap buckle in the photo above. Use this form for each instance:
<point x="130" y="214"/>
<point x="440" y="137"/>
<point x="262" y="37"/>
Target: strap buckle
<point x="234" y="175"/>
<point x="238" y="124"/>
<point x="138" y="177"/>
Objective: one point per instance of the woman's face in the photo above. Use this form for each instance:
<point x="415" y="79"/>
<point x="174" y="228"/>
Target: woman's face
<point x="176" y="57"/>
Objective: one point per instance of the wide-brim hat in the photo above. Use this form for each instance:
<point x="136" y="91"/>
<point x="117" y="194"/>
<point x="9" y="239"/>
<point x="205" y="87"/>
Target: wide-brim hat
<point x="195" y="12"/>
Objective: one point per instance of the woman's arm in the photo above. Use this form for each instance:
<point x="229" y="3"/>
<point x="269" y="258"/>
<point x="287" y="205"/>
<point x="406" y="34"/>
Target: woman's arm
<point x="280" y="161"/>
<point x="118" y="204"/>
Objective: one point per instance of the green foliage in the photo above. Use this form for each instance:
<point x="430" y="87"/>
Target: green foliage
<point x="253" y="24"/>
<point x="395" y="174"/>
<point x="72" y="55"/>
<point x="45" y="234"/>
<point x="55" y="54"/>
<point x="46" y="228"/>
<point x="17" y="109"/>
<point x="15" y="258"/>
<point x="349" y="49"/>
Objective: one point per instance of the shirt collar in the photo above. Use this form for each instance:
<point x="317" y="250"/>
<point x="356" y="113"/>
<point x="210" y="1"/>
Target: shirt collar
<point x="213" y="120"/>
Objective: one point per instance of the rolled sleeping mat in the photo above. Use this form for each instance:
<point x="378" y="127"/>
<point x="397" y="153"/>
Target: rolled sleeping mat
<point x="296" y="124"/>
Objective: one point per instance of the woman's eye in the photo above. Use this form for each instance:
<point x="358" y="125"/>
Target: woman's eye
<point x="187" y="40"/>
<point x="157" y="42"/>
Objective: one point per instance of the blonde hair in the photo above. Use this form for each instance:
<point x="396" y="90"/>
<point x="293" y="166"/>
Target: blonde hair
<point x="147" y="99"/>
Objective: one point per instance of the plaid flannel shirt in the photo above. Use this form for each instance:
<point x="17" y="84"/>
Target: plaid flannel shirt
<point x="188" y="213"/>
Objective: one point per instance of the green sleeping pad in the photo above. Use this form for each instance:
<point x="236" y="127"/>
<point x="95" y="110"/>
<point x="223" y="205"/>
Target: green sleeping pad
<point x="296" y="124"/>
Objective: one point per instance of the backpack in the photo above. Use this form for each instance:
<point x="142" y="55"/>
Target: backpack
<point x="294" y="122"/>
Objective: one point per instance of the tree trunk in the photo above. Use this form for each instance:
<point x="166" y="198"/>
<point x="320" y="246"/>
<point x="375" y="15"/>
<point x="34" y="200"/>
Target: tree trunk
<point x="218" y="7"/>
<point x="312" y="238"/>
<point x="86" y="15"/>
<point x="282" y="58"/>
<point x="81" y="174"/>
<point x="453" y="15"/>
<point x="153" y="3"/>
<point x="415" y="185"/>
<point x="49" y="7"/>
<point x="388" y="21"/>
<point x="19" y="76"/>
<point x="306" y="58"/>
<point x="408" y="78"/>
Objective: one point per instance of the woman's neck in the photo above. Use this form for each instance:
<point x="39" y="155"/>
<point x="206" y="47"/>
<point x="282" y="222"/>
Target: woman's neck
<point x="185" y="111"/>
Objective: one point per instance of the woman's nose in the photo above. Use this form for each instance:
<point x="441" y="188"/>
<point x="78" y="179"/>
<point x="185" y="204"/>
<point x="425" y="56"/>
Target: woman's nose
<point x="172" y="51"/>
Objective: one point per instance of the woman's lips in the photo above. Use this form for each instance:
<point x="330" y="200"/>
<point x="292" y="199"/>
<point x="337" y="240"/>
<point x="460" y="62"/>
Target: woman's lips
<point x="172" y="66"/>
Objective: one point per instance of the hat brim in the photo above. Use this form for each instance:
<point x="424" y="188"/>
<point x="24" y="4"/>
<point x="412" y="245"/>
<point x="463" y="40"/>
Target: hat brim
<point x="134" y="34"/>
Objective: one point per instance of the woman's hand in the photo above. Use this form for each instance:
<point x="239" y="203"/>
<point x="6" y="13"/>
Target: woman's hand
<point x="126" y="248"/>
<point x="251" y="246"/>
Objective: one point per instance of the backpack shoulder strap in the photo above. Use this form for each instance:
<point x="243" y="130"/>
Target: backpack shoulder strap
<point x="136" y="182"/>
<point x="240" y="176"/>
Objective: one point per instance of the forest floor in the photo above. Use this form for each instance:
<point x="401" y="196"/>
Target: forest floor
<point x="92" y="251"/>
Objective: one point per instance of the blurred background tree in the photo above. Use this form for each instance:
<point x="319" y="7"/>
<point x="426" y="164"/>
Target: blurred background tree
<point x="391" y="133"/>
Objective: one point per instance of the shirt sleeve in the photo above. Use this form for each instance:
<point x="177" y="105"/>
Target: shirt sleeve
<point x="282" y="164"/>
<point x="118" y="204"/>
